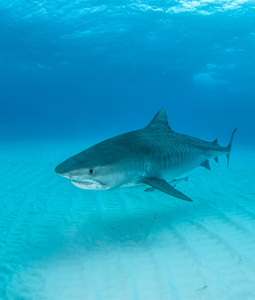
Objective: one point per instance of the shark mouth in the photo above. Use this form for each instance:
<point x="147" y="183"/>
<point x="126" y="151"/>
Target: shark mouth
<point x="88" y="185"/>
<point x="82" y="182"/>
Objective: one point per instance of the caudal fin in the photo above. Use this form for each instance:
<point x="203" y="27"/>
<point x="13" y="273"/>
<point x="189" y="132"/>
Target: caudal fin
<point x="228" y="148"/>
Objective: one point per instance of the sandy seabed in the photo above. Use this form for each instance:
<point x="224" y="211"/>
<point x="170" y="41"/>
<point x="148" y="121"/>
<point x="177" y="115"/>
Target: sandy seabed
<point x="60" y="242"/>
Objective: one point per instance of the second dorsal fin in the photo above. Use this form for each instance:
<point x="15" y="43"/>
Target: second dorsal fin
<point x="206" y="164"/>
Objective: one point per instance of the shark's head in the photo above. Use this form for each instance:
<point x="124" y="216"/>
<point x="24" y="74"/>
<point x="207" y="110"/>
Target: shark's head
<point x="97" y="168"/>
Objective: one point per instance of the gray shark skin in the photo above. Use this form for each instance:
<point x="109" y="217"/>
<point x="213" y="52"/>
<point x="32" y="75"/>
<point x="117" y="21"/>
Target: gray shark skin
<point x="154" y="155"/>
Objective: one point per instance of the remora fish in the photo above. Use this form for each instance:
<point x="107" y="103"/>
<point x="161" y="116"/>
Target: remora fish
<point x="154" y="155"/>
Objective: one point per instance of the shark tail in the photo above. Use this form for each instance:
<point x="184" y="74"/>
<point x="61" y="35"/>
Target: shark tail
<point x="228" y="148"/>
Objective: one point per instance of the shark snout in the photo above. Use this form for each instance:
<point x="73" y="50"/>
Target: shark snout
<point x="69" y="171"/>
<point x="60" y="169"/>
<point x="69" y="167"/>
<point x="63" y="169"/>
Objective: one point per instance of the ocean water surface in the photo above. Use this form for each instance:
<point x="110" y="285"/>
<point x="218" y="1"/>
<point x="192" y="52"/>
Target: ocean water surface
<point x="76" y="73"/>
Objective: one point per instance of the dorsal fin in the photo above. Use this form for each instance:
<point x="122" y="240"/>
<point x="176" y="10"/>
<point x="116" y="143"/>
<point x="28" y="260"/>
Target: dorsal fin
<point x="215" y="142"/>
<point x="160" y="121"/>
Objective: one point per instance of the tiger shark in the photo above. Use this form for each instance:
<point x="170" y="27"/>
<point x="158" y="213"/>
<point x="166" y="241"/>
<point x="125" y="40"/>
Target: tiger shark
<point x="155" y="155"/>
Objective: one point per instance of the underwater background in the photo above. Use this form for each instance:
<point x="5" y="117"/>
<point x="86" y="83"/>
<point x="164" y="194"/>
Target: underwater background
<point x="74" y="73"/>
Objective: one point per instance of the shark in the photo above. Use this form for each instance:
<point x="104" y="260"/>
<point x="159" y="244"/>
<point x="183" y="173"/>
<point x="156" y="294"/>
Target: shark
<point x="154" y="156"/>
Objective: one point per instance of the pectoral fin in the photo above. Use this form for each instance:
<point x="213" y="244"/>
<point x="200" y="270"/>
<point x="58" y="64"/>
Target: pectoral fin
<point x="173" y="183"/>
<point x="163" y="186"/>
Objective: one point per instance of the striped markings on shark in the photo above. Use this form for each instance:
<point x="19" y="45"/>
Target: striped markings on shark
<point x="155" y="155"/>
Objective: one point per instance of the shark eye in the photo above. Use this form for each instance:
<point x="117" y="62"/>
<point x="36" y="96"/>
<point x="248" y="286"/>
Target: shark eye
<point x="91" y="171"/>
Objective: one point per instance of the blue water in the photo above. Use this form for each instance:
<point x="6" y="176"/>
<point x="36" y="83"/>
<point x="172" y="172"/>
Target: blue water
<point x="75" y="73"/>
<point x="86" y="68"/>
